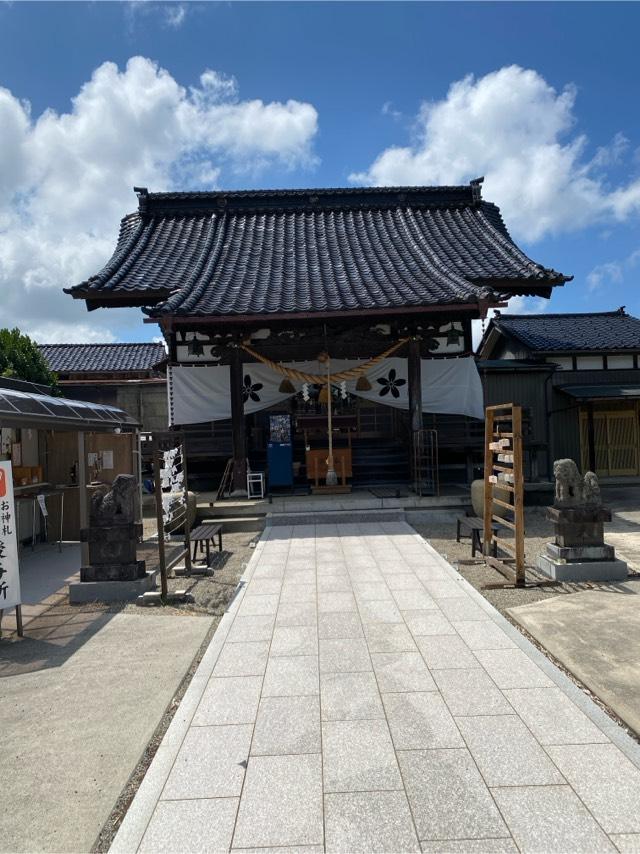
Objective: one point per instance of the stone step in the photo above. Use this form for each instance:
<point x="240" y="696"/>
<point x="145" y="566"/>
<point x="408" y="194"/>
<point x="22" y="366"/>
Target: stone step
<point x="333" y="517"/>
<point x="237" y="524"/>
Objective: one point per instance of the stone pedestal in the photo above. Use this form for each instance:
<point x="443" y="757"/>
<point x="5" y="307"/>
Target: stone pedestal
<point x="112" y="553"/>
<point x="579" y="552"/>
<point x="113" y="571"/>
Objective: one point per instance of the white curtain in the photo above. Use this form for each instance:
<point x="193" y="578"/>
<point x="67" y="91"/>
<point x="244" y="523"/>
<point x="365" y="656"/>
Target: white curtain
<point x="198" y="394"/>
<point x="201" y="393"/>
<point x="452" y="386"/>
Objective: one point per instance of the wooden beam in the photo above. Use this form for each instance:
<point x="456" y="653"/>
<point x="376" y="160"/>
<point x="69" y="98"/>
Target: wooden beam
<point x="469" y="309"/>
<point x="414" y="376"/>
<point x="238" y="427"/>
<point x="83" y="499"/>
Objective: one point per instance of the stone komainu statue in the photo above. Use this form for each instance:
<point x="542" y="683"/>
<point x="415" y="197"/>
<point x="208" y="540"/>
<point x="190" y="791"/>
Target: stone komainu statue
<point x="117" y="506"/>
<point x="573" y="490"/>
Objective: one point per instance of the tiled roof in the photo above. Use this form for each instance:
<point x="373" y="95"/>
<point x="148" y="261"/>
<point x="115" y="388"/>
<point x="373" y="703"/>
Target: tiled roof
<point x="557" y="333"/>
<point x="295" y="251"/>
<point x="102" y="358"/>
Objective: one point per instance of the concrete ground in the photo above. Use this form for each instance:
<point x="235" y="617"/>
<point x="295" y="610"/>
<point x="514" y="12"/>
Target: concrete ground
<point x="359" y="695"/>
<point x="81" y="697"/>
<point x="45" y="573"/>
<point x="596" y="635"/>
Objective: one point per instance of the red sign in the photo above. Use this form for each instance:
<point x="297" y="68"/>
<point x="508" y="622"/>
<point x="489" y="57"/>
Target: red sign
<point x="3" y="483"/>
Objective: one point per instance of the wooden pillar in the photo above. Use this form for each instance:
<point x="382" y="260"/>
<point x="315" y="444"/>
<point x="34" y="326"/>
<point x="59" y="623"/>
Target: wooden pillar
<point x="238" y="427"/>
<point x="83" y="499"/>
<point x="414" y="376"/>
<point x="591" y="437"/>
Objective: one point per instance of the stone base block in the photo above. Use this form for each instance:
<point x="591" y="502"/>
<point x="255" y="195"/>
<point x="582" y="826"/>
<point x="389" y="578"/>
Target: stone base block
<point x="155" y="598"/>
<point x="569" y="536"/>
<point x="113" y="572"/>
<point x="592" y="570"/>
<point x="110" y="591"/>
<point x="580" y="553"/>
<point x="97" y="534"/>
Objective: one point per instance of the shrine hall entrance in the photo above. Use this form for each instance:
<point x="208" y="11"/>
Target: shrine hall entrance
<point x="370" y="440"/>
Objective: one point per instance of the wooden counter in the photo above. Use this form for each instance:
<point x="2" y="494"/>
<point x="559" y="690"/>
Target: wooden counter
<point x="316" y="461"/>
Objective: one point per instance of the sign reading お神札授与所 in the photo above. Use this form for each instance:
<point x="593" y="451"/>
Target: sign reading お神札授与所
<point x="9" y="570"/>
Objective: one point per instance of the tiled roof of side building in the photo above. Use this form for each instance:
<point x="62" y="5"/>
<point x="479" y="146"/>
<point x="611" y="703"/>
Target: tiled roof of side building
<point x="260" y="252"/>
<point x="103" y="358"/>
<point x="557" y="333"/>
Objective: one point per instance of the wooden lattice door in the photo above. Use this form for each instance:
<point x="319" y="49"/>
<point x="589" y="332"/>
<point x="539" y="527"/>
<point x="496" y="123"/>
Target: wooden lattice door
<point x="616" y="442"/>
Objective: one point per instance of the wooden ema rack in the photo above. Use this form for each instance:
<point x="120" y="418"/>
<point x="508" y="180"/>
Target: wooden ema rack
<point x="504" y="479"/>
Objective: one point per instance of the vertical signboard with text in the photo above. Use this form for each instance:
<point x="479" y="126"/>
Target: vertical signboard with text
<point x="9" y="572"/>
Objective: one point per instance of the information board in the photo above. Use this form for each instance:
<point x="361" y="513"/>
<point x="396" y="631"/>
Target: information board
<point x="9" y="570"/>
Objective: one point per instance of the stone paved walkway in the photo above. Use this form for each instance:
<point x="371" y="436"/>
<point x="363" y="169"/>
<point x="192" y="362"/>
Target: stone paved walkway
<point x="360" y="696"/>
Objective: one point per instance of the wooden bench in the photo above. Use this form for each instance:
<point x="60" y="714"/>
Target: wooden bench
<point x="205" y="536"/>
<point x="475" y="526"/>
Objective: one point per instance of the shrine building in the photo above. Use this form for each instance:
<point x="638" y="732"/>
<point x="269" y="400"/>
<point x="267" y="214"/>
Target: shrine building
<point x="317" y="328"/>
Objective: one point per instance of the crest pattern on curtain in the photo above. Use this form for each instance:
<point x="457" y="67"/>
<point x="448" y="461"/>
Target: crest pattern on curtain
<point x="201" y="393"/>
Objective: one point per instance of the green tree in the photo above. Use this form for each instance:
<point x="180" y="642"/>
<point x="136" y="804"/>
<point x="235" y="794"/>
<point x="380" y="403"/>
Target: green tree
<point x="21" y="359"/>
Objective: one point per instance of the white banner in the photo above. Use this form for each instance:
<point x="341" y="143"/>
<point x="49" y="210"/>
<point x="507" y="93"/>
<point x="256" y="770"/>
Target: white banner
<point x="9" y="567"/>
<point x="198" y="394"/>
<point x="451" y="386"/>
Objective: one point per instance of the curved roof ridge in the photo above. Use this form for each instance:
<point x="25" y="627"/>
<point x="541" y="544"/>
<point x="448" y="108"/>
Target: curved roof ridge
<point x="126" y="241"/>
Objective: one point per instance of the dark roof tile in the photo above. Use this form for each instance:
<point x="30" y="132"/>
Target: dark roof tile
<point x="102" y="358"/>
<point x="291" y="251"/>
<point x="558" y="333"/>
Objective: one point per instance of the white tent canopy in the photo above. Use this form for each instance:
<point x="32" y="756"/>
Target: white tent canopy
<point x="201" y="393"/>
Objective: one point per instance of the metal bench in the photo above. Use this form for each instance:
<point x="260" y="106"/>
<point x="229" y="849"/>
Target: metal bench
<point x="205" y="535"/>
<point x="475" y="526"/>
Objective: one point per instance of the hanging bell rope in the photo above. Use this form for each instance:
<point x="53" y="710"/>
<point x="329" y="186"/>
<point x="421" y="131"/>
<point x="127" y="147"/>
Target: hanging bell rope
<point x="321" y="379"/>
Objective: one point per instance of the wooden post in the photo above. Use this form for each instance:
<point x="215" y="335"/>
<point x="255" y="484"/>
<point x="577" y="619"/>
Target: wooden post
<point x="488" y="470"/>
<point x="591" y="437"/>
<point x="414" y="376"/>
<point x="83" y="504"/>
<point x="331" y="478"/>
<point x="238" y="430"/>
<point x="162" y="558"/>
<point x="518" y="494"/>
<point x="503" y="472"/>
<point x="187" y="528"/>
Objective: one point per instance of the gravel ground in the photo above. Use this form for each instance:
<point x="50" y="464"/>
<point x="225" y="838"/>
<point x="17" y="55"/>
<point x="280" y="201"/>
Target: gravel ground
<point x="442" y="537"/>
<point x="539" y="532"/>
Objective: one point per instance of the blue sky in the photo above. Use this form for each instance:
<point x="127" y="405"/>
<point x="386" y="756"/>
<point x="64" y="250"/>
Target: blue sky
<point x="314" y="94"/>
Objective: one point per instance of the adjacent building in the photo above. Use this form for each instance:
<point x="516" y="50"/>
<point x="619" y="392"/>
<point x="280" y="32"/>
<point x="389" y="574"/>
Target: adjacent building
<point x="578" y="375"/>
<point x="129" y="376"/>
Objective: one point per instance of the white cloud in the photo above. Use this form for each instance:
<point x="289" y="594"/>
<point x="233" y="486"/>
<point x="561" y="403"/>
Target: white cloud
<point x="175" y="15"/>
<point x="515" y="129"/>
<point x="389" y="110"/>
<point x="612" y="272"/>
<point x="66" y="179"/>
<point x="170" y="15"/>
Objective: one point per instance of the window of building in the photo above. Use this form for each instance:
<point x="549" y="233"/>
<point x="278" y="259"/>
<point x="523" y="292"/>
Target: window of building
<point x="589" y="363"/>
<point x="565" y="363"/>
<point x="624" y="360"/>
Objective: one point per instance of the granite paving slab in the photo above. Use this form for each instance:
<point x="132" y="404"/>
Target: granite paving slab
<point x="448" y="796"/>
<point x="359" y="695"/>
<point x="548" y="818"/>
<point x="363" y="822"/>
<point x="204" y="825"/>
